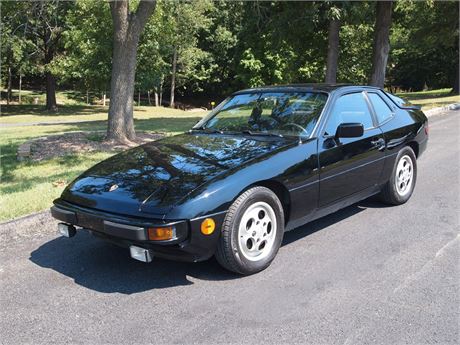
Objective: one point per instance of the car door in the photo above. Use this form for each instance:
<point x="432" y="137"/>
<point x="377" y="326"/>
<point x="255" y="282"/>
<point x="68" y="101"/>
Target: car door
<point x="349" y="165"/>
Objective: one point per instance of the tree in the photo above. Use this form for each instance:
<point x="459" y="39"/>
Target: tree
<point x="183" y="20"/>
<point x="45" y="23"/>
<point x="12" y="49"/>
<point x="280" y="42"/>
<point x="127" y="27"/>
<point x="31" y="33"/>
<point x="424" y="45"/>
<point x="153" y="53"/>
<point x="219" y="40"/>
<point x="199" y="50"/>
<point x="381" y="46"/>
<point x="333" y="45"/>
<point x="86" y="62"/>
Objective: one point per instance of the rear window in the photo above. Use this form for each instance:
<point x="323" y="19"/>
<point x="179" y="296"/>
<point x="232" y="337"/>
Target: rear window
<point x="382" y="110"/>
<point x="401" y="102"/>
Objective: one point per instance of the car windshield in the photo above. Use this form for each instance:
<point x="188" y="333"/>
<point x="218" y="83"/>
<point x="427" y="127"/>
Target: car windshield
<point x="267" y="113"/>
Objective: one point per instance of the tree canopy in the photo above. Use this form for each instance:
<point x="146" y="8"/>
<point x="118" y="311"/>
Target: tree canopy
<point x="201" y="50"/>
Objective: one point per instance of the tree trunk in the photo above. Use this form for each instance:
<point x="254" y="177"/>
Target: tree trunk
<point x="87" y="97"/>
<point x="381" y="43"/>
<point x="104" y="99"/>
<point x="161" y="92"/>
<point x="50" y="80"/>
<point x="156" y="98"/>
<point x="173" y="77"/>
<point x="9" y="91"/>
<point x="50" y="92"/>
<point x="456" y="87"/>
<point x="148" y="97"/>
<point x="127" y="29"/>
<point x="333" y="51"/>
<point x="20" y="87"/>
<point x="139" y="98"/>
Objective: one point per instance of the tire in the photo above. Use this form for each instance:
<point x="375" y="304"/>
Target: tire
<point x="401" y="184"/>
<point x="252" y="232"/>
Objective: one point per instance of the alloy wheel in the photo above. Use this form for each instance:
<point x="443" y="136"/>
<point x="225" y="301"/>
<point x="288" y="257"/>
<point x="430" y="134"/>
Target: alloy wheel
<point x="404" y="175"/>
<point x="257" y="231"/>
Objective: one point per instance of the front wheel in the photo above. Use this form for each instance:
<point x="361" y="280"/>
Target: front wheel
<point x="402" y="181"/>
<point x="252" y="232"/>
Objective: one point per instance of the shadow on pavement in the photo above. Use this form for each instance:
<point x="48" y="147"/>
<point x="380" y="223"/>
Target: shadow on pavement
<point x="329" y="220"/>
<point x="102" y="267"/>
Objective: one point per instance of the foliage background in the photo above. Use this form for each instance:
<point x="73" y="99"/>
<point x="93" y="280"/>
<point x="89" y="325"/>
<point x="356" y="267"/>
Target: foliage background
<point x="224" y="46"/>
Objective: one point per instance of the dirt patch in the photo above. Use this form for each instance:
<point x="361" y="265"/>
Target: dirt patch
<point x="78" y="142"/>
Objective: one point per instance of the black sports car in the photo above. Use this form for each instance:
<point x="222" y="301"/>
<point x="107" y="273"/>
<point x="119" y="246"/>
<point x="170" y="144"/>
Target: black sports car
<point x="265" y="161"/>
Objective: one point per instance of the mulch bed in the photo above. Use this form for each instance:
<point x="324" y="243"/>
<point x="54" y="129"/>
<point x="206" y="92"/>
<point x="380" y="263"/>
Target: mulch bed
<point x="78" y="142"/>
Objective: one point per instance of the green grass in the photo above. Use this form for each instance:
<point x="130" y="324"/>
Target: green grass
<point x="27" y="187"/>
<point x="71" y="113"/>
<point x="62" y="97"/>
<point x="430" y="99"/>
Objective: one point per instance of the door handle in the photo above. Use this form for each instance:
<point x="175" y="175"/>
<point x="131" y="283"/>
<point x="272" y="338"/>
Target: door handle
<point x="379" y="143"/>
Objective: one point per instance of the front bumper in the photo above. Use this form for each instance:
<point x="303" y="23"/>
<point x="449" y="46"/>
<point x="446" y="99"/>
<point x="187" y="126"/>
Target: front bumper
<point x="189" y="244"/>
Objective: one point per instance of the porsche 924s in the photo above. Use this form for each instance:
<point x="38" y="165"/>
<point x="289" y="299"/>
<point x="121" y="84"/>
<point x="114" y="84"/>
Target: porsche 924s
<point x="264" y="161"/>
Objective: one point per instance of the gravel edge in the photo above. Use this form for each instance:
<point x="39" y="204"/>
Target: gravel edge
<point x="25" y="227"/>
<point x="441" y="110"/>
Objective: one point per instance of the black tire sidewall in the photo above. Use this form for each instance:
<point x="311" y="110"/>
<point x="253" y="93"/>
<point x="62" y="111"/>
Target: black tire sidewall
<point x="264" y="195"/>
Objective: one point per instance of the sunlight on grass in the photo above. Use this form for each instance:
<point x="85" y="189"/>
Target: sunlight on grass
<point x="431" y="103"/>
<point x="35" y="113"/>
<point x="31" y="187"/>
<point x="431" y="99"/>
<point x="27" y="187"/>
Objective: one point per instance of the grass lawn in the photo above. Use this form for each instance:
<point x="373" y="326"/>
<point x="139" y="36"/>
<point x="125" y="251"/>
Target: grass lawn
<point x="430" y="99"/>
<point x="27" y="187"/>
<point x="68" y="97"/>
<point x="71" y="113"/>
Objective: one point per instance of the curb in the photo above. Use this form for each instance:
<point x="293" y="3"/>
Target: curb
<point x="25" y="227"/>
<point x="13" y="221"/>
<point x="440" y="110"/>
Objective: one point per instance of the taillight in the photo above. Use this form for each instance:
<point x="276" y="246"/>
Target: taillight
<point x="427" y="128"/>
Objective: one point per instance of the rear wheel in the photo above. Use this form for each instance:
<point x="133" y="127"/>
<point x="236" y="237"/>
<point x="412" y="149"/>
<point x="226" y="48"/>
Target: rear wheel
<point x="252" y="232"/>
<point x="402" y="181"/>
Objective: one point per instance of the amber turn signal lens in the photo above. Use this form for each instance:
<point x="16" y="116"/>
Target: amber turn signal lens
<point x="208" y="226"/>
<point x="161" y="234"/>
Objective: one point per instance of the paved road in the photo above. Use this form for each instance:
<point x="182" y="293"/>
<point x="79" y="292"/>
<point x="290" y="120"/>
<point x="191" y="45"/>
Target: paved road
<point x="367" y="274"/>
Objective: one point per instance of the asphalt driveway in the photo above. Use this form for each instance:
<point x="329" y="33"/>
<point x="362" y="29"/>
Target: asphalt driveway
<point x="366" y="274"/>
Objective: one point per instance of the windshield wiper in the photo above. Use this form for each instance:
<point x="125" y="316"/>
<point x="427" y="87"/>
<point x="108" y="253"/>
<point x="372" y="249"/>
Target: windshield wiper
<point x="266" y="134"/>
<point x="208" y="130"/>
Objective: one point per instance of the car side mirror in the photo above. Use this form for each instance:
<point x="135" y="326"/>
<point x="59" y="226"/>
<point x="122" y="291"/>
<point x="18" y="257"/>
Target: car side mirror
<point x="349" y="130"/>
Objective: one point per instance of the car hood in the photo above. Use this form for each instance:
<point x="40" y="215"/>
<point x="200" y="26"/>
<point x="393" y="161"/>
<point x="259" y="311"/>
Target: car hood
<point x="152" y="178"/>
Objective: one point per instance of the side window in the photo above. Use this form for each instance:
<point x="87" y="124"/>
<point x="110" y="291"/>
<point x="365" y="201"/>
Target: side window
<point x="382" y="110"/>
<point x="349" y="108"/>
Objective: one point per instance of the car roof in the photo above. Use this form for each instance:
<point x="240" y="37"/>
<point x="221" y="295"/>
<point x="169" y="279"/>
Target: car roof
<point x="328" y="88"/>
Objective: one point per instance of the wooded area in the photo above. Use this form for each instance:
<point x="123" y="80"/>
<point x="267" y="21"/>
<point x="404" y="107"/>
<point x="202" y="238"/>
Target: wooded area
<point x="199" y="51"/>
